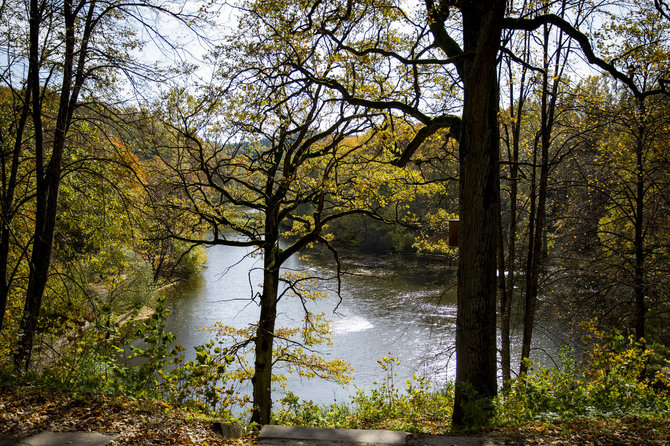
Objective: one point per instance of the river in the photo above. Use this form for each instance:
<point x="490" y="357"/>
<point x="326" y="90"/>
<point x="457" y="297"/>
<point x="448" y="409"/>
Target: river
<point x="394" y="304"/>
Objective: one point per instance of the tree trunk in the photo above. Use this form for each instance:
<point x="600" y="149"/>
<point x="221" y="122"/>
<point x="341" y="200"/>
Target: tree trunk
<point x="8" y="204"/>
<point x="538" y="212"/>
<point x="45" y="223"/>
<point x="639" y="286"/>
<point x="262" y="380"/>
<point x="506" y="301"/>
<point x="29" y="319"/>
<point x="476" y="377"/>
<point x="48" y="180"/>
<point x="504" y="321"/>
<point x="4" y="259"/>
<point x="536" y="219"/>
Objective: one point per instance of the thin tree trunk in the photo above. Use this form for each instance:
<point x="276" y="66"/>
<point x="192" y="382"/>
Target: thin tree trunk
<point x="529" y="300"/>
<point x="639" y="285"/>
<point x="4" y="260"/>
<point x="506" y="303"/>
<point x="29" y="319"/>
<point x="45" y="222"/>
<point x="48" y="179"/>
<point x="48" y="183"/>
<point x="9" y="187"/>
<point x="504" y="322"/>
<point x="538" y="213"/>
<point x="506" y="306"/>
<point x="535" y="256"/>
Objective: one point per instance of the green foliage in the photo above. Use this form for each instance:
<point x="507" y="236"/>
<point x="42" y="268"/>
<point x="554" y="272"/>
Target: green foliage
<point x="612" y="381"/>
<point x="370" y="235"/>
<point x="140" y="359"/>
<point x="293" y="352"/>
<point x="158" y="369"/>
<point x="306" y="413"/>
<point x="477" y="410"/>
<point x="545" y="392"/>
<point x="416" y="409"/>
<point x="190" y="258"/>
<point x="103" y="261"/>
<point x="388" y="407"/>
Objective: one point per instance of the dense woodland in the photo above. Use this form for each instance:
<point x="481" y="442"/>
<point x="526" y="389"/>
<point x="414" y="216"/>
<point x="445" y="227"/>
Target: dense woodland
<point x="135" y="135"/>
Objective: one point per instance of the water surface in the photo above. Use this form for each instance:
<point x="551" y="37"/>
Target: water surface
<point x="398" y="305"/>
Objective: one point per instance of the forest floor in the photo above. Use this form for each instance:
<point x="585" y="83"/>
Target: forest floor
<point x="26" y="411"/>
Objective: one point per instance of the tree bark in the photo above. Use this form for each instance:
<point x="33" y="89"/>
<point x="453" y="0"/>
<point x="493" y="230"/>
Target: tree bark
<point x="476" y="377"/>
<point x="536" y="222"/>
<point x="639" y="286"/>
<point x="513" y="156"/>
<point x="8" y="204"/>
<point x="502" y="291"/>
<point x="537" y="217"/>
<point x="506" y="300"/>
<point x="48" y="175"/>
<point x="29" y="319"/>
<point x="262" y="380"/>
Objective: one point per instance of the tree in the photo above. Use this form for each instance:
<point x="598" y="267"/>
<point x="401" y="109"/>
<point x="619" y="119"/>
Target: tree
<point x="343" y="27"/>
<point x="663" y="8"/>
<point x="16" y="190"/>
<point x="623" y="169"/>
<point x="269" y="158"/>
<point x="619" y="167"/>
<point x="549" y="146"/>
<point x="511" y="124"/>
<point x="644" y="51"/>
<point x="70" y="54"/>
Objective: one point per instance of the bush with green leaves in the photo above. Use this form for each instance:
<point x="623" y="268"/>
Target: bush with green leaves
<point x="158" y="369"/>
<point x="139" y="358"/>
<point x="613" y="380"/>
<point x="416" y="409"/>
<point x="294" y="412"/>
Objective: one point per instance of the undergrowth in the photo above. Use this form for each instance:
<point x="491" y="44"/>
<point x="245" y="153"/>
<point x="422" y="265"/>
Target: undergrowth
<point x="414" y="408"/>
<point x="615" y="379"/>
<point x="147" y="364"/>
<point x="618" y="377"/>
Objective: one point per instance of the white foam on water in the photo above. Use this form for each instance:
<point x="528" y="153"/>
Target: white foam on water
<point x="351" y="324"/>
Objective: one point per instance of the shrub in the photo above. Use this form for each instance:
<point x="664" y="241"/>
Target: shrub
<point x="612" y="381"/>
<point x="416" y="409"/>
